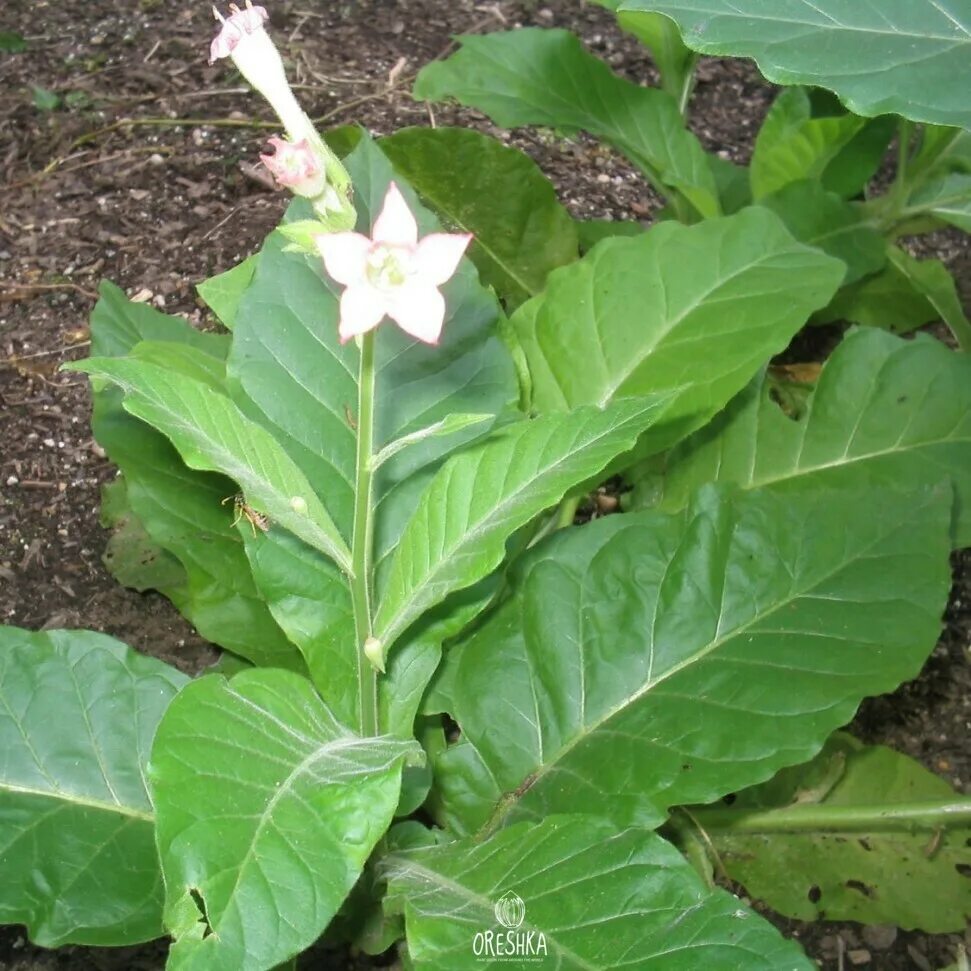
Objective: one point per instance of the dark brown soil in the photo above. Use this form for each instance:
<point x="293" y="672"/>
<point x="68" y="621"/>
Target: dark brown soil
<point x="159" y="205"/>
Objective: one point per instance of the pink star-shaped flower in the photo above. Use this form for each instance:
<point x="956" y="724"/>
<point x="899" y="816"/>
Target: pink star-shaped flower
<point x="393" y="273"/>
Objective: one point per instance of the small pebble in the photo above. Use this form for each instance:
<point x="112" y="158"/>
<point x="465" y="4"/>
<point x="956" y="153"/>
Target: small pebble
<point x="12" y="480"/>
<point x="859" y="956"/>
<point x="919" y="958"/>
<point x="880" y="936"/>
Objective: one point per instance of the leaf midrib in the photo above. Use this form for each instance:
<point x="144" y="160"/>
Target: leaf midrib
<point x="87" y="802"/>
<point x="797" y="472"/>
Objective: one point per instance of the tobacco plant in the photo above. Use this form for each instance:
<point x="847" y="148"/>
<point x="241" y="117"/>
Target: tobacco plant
<point x="447" y="720"/>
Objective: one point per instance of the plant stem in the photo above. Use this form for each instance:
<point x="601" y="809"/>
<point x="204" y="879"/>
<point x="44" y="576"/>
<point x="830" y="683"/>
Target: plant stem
<point x="899" y="191"/>
<point x="362" y="538"/>
<point x="567" y="511"/>
<point x="806" y="818"/>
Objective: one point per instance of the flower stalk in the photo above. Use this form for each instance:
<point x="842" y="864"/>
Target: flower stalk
<point x="362" y="542"/>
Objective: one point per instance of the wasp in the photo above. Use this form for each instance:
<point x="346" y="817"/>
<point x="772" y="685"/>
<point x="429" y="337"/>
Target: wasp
<point x="243" y="510"/>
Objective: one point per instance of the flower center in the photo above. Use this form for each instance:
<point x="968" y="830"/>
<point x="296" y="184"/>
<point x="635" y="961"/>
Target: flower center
<point x="388" y="266"/>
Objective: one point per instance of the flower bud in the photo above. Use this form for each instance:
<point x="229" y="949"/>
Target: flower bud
<point x="296" y="167"/>
<point x="304" y="164"/>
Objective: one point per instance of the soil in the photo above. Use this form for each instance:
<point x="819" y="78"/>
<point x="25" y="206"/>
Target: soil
<point x="115" y="183"/>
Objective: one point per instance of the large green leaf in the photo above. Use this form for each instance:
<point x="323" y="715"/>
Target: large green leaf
<point x="212" y="434"/>
<point x="885" y="412"/>
<point x="595" y="898"/>
<point x="695" y="310"/>
<point x="819" y="841"/>
<point x="820" y="218"/>
<point x="910" y="57"/>
<point x="267" y="808"/>
<point x="793" y="145"/>
<point x="459" y="531"/>
<point x="649" y="660"/>
<point x="478" y="185"/>
<point x="545" y="77"/>
<point x="177" y="509"/>
<point x="78" y="711"/>
<point x="289" y="372"/>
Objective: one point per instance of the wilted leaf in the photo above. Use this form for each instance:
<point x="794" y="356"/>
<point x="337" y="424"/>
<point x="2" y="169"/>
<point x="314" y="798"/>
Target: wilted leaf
<point x="803" y="845"/>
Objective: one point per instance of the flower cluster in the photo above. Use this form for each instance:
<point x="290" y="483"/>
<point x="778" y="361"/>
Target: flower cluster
<point x="392" y="273"/>
<point x="302" y="164"/>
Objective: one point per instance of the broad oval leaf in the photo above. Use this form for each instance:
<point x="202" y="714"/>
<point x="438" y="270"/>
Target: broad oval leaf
<point x="830" y="825"/>
<point x="212" y="434"/>
<point x="648" y="661"/>
<point x="596" y="898"/>
<point x="696" y="310"/>
<point x="886" y="412"/>
<point x="534" y="76"/>
<point x="910" y="57"/>
<point x="267" y="808"/>
<point x="478" y="185"/>
<point x="78" y="711"/>
<point x="182" y="511"/>
<point x="483" y="495"/>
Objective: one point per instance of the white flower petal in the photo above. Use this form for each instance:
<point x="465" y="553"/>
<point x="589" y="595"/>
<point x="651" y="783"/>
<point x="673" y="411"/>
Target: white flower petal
<point x="439" y="255"/>
<point x="345" y="256"/>
<point x="395" y="224"/>
<point x="362" y="309"/>
<point x="418" y="310"/>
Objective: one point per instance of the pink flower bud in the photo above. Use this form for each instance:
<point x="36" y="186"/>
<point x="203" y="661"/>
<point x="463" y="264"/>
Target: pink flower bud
<point x="295" y="166"/>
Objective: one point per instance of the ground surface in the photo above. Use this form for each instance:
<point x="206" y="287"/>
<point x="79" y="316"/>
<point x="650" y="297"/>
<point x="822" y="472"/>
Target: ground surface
<point x="159" y="206"/>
